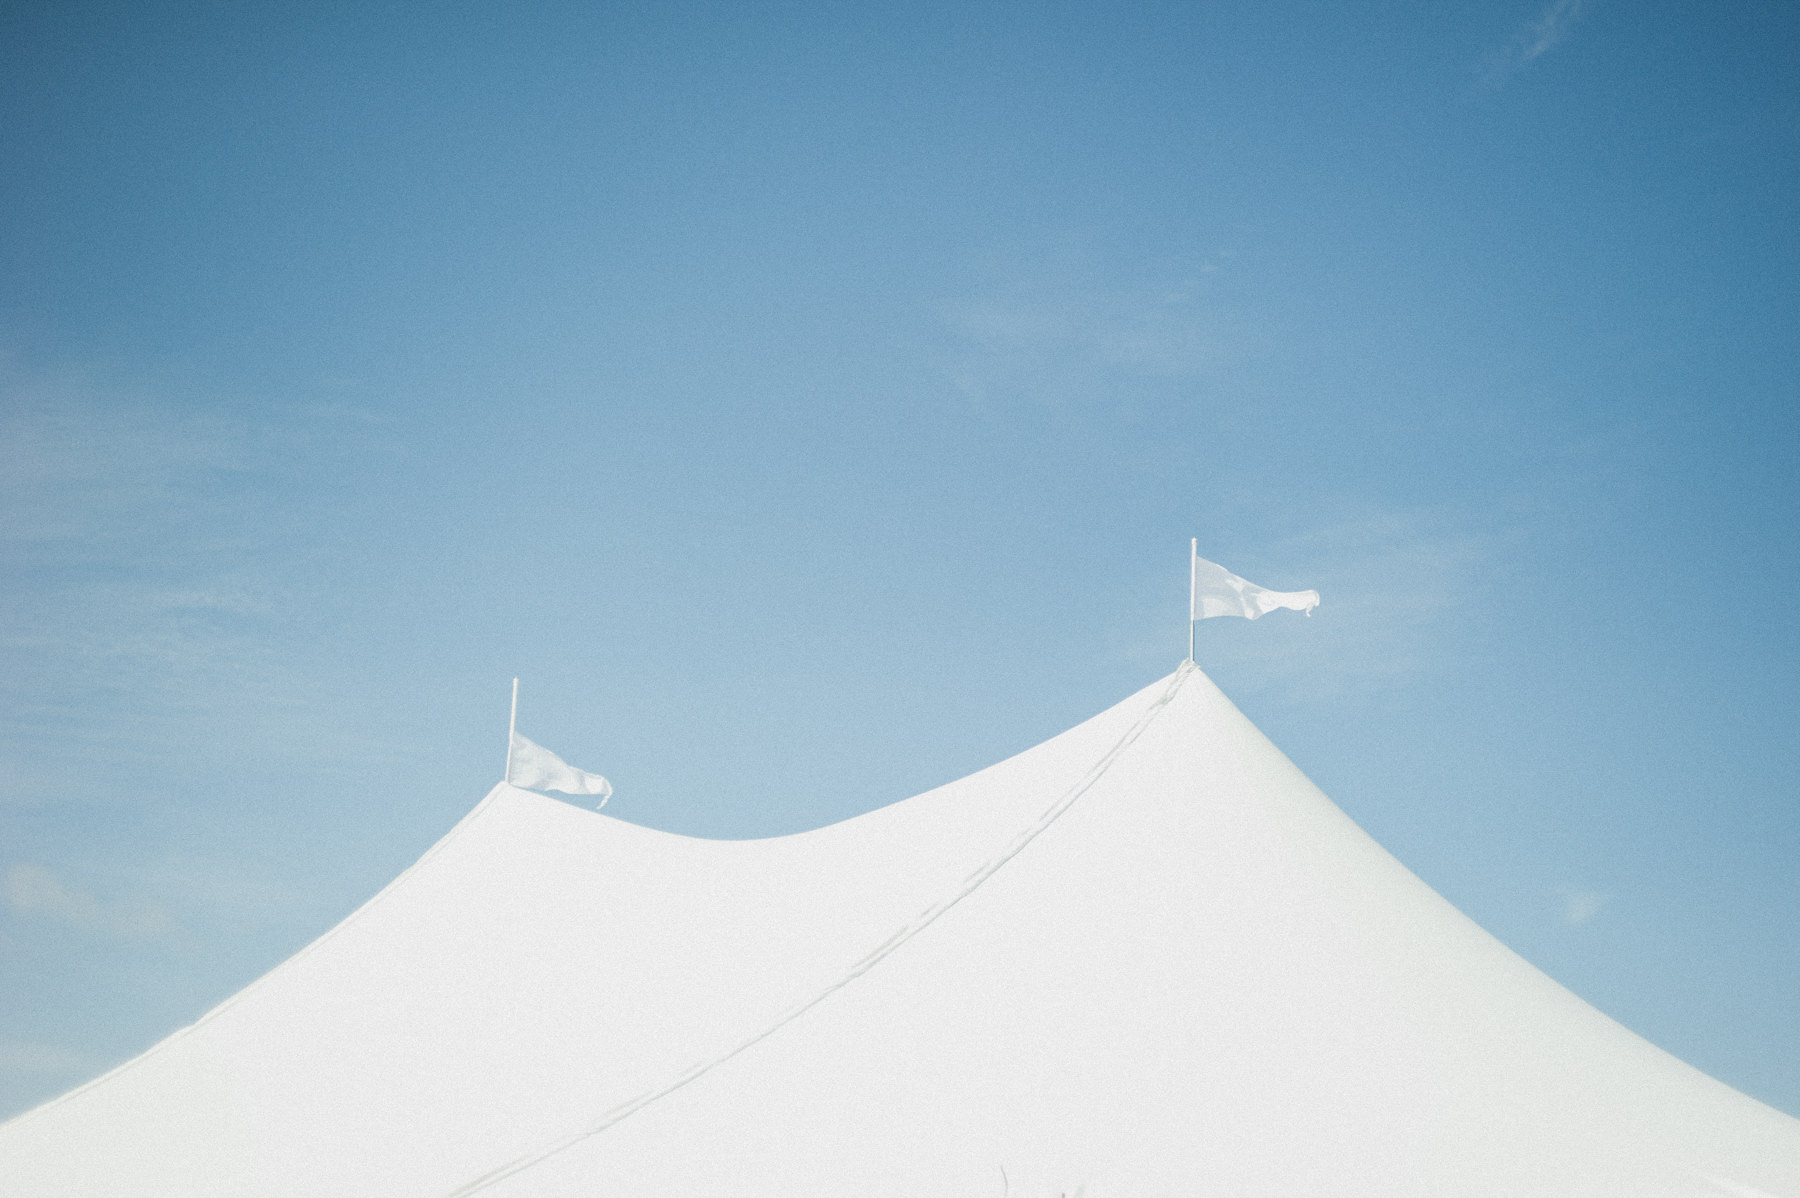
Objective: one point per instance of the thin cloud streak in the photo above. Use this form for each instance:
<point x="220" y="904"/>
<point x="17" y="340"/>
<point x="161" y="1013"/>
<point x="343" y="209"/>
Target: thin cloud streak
<point x="1535" y="40"/>
<point x="1060" y="344"/>
<point x="1580" y="906"/>
<point x="34" y="890"/>
<point x="1399" y="588"/>
<point x="28" y="1057"/>
<point x="144" y="531"/>
<point x="1549" y="29"/>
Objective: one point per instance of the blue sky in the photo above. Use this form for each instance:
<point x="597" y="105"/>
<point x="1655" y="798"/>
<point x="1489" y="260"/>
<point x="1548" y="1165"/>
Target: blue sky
<point x="812" y="403"/>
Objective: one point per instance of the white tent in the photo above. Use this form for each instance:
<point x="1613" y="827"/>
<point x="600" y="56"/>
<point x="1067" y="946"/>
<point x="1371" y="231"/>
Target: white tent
<point x="1147" y="957"/>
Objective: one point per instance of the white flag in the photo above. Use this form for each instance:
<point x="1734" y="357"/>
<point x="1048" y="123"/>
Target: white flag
<point x="1219" y="592"/>
<point x="534" y="767"/>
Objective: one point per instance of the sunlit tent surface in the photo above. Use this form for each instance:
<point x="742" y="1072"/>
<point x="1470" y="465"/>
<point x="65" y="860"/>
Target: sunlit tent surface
<point x="1147" y="957"/>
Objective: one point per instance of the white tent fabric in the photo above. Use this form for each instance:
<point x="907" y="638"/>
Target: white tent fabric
<point x="1147" y="957"/>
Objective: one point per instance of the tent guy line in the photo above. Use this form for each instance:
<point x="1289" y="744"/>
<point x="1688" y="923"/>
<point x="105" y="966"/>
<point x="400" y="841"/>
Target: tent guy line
<point x="887" y="947"/>
<point x="1200" y="962"/>
<point x="1213" y="591"/>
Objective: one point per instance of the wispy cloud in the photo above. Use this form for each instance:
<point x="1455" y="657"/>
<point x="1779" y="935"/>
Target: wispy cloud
<point x="34" y="890"/>
<point x="1580" y="906"/>
<point x="1536" y="39"/>
<point x="1053" y="342"/>
<point x="148" y="604"/>
<point x="1158" y="330"/>
<point x="212" y="893"/>
<point x="23" y="1056"/>
<point x="1401" y="589"/>
<point x="77" y="464"/>
<point x="1550" y="28"/>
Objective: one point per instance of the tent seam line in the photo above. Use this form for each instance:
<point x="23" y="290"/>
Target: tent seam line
<point x="892" y="944"/>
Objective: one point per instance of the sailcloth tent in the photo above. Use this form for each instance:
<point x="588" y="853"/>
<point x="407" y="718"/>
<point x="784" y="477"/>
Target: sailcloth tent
<point x="1146" y="957"/>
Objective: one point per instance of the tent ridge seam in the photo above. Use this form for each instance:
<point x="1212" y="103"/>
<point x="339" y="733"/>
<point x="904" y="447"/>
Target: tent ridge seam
<point x="918" y="924"/>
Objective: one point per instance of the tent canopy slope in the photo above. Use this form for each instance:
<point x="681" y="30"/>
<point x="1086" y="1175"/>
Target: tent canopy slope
<point x="1145" y="957"/>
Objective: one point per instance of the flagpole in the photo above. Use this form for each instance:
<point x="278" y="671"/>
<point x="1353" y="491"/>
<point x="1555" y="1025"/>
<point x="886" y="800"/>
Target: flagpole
<point x="1193" y="571"/>
<point x="512" y="724"/>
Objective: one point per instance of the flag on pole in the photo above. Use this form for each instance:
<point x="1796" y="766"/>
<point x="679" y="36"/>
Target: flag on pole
<point x="534" y="767"/>
<point x="1216" y="591"/>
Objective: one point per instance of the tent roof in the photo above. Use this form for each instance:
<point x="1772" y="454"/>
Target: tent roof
<point x="1145" y="957"/>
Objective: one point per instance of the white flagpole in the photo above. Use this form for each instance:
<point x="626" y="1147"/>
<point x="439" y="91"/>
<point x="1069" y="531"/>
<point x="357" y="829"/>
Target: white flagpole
<point x="1193" y="572"/>
<point x="512" y="723"/>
